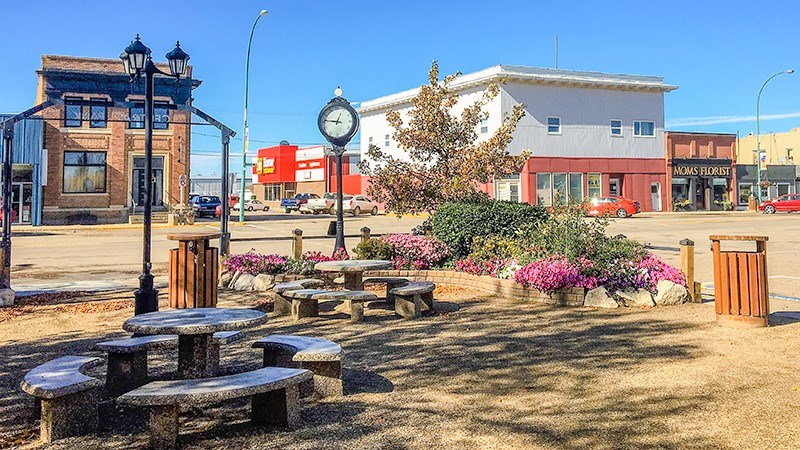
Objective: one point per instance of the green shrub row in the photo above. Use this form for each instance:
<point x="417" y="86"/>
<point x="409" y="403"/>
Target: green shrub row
<point x="458" y="224"/>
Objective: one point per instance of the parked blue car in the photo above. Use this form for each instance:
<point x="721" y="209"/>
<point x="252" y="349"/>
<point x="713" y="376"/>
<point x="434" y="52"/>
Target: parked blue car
<point x="205" y="205"/>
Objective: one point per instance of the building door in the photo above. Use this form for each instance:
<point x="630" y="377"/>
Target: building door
<point x="614" y="187"/>
<point x="137" y="194"/>
<point x="655" y="196"/>
<point x="21" y="201"/>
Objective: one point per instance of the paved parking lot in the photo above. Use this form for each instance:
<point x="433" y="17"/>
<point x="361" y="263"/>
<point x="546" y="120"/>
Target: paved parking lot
<point x="105" y="253"/>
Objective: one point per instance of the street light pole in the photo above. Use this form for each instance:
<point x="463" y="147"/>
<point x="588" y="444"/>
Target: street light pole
<point x="758" y="131"/>
<point x="246" y="127"/>
<point x="137" y="60"/>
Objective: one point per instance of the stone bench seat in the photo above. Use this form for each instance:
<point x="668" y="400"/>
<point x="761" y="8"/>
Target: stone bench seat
<point x="68" y="398"/>
<point x="283" y="306"/>
<point x="305" y="302"/>
<point x="390" y="282"/>
<point x="297" y="284"/>
<point x="274" y="392"/>
<point x="321" y="356"/>
<point x="414" y="298"/>
<point x="127" y="358"/>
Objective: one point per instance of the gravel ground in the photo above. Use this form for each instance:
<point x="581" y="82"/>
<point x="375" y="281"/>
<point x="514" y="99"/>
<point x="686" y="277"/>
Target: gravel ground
<point x="483" y="373"/>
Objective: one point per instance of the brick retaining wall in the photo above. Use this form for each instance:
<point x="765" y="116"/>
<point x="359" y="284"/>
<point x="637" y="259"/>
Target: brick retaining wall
<point x="489" y="285"/>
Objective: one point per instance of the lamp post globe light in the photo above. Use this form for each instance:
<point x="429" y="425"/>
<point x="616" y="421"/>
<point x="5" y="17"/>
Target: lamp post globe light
<point x="137" y="62"/>
<point x="338" y="123"/>
<point x="758" y="131"/>
<point x="246" y="127"/>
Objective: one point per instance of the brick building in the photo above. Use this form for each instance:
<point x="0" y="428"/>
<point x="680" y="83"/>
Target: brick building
<point x="93" y="157"/>
<point x="701" y="168"/>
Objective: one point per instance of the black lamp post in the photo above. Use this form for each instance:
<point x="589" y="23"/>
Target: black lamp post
<point x="137" y="61"/>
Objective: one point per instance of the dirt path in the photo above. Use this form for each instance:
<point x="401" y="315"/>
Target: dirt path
<point x="484" y="373"/>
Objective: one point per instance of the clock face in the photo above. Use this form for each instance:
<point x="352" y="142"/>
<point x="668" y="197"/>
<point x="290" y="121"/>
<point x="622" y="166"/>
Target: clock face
<point x="337" y="122"/>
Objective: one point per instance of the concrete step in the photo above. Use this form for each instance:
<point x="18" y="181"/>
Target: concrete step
<point x="156" y="217"/>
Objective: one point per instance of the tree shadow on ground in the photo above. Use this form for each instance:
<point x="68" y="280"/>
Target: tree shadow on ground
<point x="484" y="371"/>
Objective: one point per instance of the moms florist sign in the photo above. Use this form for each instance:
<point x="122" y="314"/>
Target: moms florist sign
<point x="700" y="170"/>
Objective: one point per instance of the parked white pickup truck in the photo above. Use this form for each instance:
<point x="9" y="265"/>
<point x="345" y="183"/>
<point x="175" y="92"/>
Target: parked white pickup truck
<point x="325" y="204"/>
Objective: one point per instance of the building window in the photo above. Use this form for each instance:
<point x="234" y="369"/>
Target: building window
<point x="616" y="128"/>
<point x="594" y="182"/>
<point x="272" y="192"/>
<point x="644" y="128"/>
<point x="386" y="141"/>
<point x="575" y="187"/>
<point x="98" y="114"/>
<point x="160" y="117"/>
<point x="484" y="126"/>
<point x="553" y="125"/>
<point x="84" y="172"/>
<point x="544" y="193"/>
<point x="560" y="189"/>
<point x="352" y="164"/>
<point x="73" y="112"/>
<point x="370" y="140"/>
<point x="136" y="117"/>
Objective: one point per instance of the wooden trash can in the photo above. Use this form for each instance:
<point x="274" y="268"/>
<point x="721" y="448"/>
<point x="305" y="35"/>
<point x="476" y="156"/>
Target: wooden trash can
<point x="193" y="270"/>
<point x="741" y="292"/>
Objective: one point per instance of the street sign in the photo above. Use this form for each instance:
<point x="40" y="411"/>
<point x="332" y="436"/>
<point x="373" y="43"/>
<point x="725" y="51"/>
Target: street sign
<point x="182" y="180"/>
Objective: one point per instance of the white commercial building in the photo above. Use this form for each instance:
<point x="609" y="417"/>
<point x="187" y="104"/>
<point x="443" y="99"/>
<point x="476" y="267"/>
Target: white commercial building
<point x="589" y="133"/>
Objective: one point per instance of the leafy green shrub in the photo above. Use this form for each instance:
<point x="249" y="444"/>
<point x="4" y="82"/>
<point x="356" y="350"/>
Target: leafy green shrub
<point x="374" y="249"/>
<point x="489" y="248"/>
<point x="299" y="266"/>
<point x="458" y="224"/>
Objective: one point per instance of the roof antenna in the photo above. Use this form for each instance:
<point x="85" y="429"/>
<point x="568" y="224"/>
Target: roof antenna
<point x="556" y="51"/>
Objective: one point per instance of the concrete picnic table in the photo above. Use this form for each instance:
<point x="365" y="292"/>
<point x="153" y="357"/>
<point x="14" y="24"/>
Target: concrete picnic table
<point x="353" y="270"/>
<point x="195" y="328"/>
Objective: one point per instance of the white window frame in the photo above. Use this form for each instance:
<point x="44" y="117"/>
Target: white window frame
<point x="588" y="188"/>
<point x="612" y="127"/>
<point x="387" y="141"/>
<point x="558" y="133"/>
<point x="548" y="200"/>
<point x="484" y="126"/>
<point x="569" y="186"/>
<point x="369" y="140"/>
<point x="640" y="128"/>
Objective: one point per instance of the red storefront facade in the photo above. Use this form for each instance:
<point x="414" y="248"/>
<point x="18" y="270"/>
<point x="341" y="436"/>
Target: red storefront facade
<point x="285" y="170"/>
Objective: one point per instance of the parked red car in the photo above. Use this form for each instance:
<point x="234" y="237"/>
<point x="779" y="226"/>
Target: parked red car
<point x="787" y="202"/>
<point x="612" y="206"/>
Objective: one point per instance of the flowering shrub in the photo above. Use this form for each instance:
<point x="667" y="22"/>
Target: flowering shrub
<point x="255" y="263"/>
<point x="416" y="252"/>
<point x="556" y="272"/>
<point x="474" y="266"/>
<point x="652" y="270"/>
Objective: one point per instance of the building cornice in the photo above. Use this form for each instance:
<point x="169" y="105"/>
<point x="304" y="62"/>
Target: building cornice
<point x="531" y="75"/>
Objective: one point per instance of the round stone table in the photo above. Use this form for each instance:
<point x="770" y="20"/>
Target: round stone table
<point x="353" y="270"/>
<point x="195" y="327"/>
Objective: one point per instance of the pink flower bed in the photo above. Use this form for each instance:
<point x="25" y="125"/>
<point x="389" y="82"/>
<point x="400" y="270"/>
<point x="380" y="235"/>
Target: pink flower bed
<point x="474" y="266"/>
<point x="416" y="252"/>
<point x="254" y="263"/>
<point x="556" y="272"/>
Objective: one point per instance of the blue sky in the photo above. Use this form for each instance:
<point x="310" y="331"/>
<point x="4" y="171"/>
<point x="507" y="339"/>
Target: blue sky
<point x="718" y="53"/>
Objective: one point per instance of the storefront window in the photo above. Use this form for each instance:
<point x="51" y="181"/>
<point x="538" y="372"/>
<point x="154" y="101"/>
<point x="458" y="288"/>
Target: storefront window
<point x="719" y="186"/>
<point x="272" y="192"/>
<point x="544" y="193"/>
<point x="595" y="183"/>
<point x="680" y="193"/>
<point x="84" y="172"/>
<point x="745" y="189"/>
<point x="576" y="187"/>
<point x="560" y="189"/>
<point x="783" y="189"/>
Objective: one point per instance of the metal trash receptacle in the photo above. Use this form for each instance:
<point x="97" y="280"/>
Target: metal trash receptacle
<point x="741" y="291"/>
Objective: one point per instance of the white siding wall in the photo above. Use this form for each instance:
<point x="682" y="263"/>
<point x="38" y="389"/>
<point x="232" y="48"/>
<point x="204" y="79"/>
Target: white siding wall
<point x="374" y="124"/>
<point x="585" y="121"/>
